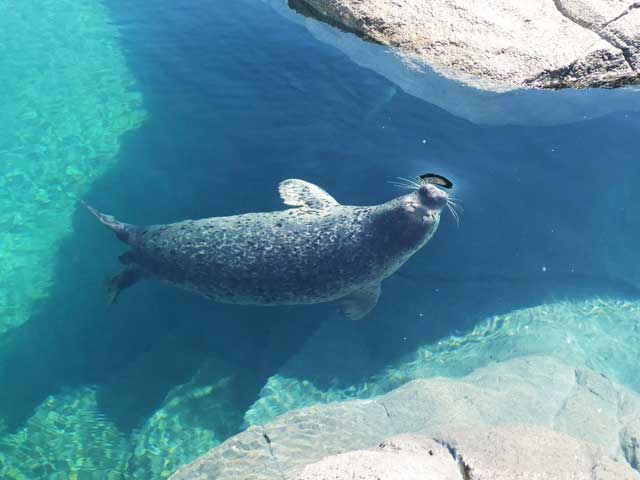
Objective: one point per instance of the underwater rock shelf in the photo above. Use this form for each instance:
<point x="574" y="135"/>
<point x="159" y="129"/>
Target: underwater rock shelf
<point x="528" y="399"/>
<point x="601" y="334"/>
<point x="66" y="117"/>
<point x="502" y="44"/>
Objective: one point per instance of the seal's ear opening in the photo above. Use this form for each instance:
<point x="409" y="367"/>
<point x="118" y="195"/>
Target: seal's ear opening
<point x="435" y="179"/>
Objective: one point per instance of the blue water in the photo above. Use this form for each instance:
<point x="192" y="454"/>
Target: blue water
<point x="239" y="98"/>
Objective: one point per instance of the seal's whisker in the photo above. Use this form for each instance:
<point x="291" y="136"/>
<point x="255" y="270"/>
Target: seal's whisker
<point x="410" y="182"/>
<point x="454" y="215"/>
<point x="458" y="207"/>
<point x="455" y="209"/>
<point x="402" y="182"/>
<point x="457" y="215"/>
<point x="401" y="185"/>
<point x="454" y="201"/>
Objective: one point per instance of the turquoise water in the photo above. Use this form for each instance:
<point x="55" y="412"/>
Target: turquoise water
<point x="163" y="111"/>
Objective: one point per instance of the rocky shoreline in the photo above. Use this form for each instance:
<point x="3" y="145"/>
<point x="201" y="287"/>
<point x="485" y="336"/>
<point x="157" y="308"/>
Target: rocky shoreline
<point x="501" y="45"/>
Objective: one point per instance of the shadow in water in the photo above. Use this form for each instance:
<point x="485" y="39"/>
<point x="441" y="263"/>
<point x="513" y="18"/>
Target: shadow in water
<point x="156" y="336"/>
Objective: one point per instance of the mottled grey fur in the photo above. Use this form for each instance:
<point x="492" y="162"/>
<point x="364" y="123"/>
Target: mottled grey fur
<point x="318" y="252"/>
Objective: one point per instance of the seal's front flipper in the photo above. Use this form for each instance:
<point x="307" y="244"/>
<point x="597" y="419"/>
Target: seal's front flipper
<point x="124" y="280"/>
<point x="299" y="193"/>
<point x="359" y="303"/>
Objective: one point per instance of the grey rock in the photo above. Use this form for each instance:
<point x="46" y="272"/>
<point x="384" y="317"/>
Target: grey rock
<point x="520" y="451"/>
<point x="534" y="391"/>
<point x="624" y="33"/>
<point x="592" y="14"/>
<point x="500" y="45"/>
<point x="501" y="453"/>
<point x="410" y="457"/>
<point x="530" y="106"/>
<point x="603" y="65"/>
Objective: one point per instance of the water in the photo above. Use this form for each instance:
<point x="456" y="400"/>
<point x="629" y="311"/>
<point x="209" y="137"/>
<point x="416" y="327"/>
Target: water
<point x="160" y="111"/>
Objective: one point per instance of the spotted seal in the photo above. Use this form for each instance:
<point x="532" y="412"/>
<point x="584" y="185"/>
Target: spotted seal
<point x="318" y="251"/>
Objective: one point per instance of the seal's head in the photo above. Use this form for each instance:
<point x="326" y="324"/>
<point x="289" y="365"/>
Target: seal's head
<point x="424" y="205"/>
<point x="404" y="224"/>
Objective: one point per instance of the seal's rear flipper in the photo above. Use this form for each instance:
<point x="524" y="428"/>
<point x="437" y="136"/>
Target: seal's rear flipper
<point x="359" y="303"/>
<point x="124" y="280"/>
<point x="122" y="230"/>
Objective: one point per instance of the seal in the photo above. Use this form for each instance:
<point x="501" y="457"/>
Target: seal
<point x="318" y="251"/>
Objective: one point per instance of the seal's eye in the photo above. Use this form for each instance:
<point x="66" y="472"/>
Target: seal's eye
<point x="435" y="179"/>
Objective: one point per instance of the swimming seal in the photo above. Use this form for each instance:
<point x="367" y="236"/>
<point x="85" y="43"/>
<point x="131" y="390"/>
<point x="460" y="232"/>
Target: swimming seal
<point x="319" y="251"/>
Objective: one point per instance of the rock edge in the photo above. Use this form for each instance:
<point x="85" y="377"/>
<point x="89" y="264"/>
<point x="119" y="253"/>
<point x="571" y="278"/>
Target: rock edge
<point x="501" y="45"/>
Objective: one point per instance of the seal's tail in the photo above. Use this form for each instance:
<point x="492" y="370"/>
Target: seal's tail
<point x="122" y="230"/>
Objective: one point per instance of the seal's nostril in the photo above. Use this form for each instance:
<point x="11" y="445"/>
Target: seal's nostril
<point x="434" y="197"/>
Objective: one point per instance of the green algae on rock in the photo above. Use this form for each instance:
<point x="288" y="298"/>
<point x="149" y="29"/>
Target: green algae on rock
<point x="194" y="418"/>
<point x="66" y="438"/>
<point x="60" y="127"/>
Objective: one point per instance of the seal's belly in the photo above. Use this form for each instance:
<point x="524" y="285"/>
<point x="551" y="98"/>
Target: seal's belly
<point x="276" y="258"/>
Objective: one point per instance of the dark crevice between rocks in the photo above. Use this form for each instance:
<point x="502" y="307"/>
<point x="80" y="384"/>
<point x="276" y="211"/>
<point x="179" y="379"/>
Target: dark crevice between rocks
<point x="631" y="454"/>
<point x="570" y="394"/>
<point x="631" y="7"/>
<point x="581" y="380"/>
<point x="268" y="441"/>
<point x="630" y="448"/>
<point x="386" y="411"/>
<point x="626" y="53"/>
<point x="628" y="56"/>
<point x="465" y="470"/>
<point x="629" y="444"/>
<point x="567" y="77"/>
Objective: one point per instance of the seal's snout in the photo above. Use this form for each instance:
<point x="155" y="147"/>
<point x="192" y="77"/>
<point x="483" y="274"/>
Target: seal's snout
<point x="432" y="197"/>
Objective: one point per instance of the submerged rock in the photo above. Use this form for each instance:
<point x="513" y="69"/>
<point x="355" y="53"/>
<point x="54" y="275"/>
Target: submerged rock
<point x="502" y="44"/>
<point x="66" y="438"/>
<point x="534" y="391"/>
<point x="600" y="334"/>
<point x="194" y="417"/>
